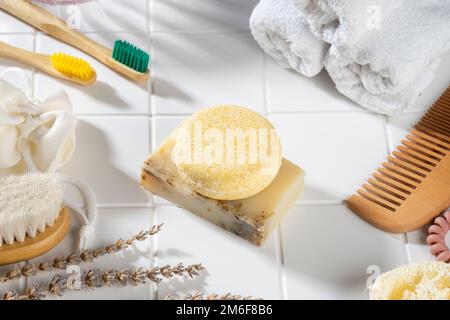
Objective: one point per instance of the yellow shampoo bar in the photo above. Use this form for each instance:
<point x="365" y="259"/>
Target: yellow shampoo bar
<point x="252" y="218"/>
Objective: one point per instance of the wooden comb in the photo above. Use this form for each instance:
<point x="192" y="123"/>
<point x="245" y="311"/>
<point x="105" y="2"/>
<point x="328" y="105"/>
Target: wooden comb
<point x="413" y="186"/>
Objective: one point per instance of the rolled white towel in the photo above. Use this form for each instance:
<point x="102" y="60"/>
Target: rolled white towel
<point x="383" y="53"/>
<point x="283" y="33"/>
<point x="337" y="21"/>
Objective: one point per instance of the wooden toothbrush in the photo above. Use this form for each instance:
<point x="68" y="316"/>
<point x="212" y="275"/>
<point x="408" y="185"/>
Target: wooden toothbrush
<point x="58" y="65"/>
<point x="125" y="58"/>
<point x="413" y="185"/>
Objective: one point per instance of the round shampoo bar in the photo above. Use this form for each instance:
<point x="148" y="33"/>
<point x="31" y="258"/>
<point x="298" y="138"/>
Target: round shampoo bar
<point x="227" y="152"/>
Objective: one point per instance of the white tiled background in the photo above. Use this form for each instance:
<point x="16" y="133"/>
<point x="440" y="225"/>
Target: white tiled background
<point x="203" y="54"/>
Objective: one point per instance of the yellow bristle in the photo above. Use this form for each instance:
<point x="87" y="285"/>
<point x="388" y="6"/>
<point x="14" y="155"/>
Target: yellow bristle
<point x="72" y="66"/>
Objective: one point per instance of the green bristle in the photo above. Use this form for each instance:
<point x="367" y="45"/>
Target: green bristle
<point x="131" y="56"/>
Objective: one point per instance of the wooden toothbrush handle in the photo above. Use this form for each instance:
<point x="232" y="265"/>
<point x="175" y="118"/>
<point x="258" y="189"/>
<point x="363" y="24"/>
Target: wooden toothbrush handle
<point x="58" y="29"/>
<point x="55" y="27"/>
<point x="33" y="59"/>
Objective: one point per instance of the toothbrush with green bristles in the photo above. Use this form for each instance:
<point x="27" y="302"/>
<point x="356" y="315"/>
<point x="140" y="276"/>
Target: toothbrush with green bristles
<point x="124" y="58"/>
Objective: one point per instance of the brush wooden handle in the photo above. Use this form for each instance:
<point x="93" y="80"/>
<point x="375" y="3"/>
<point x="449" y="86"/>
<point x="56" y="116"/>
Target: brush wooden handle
<point x="33" y="59"/>
<point x="34" y="247"/>
<point x="41" y="62"/>
<point x="58" y="29"/>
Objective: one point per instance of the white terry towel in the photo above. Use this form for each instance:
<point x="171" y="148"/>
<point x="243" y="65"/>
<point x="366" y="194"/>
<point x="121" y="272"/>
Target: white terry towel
<point x="384" y="52"/>
<point x="283" y="33"/>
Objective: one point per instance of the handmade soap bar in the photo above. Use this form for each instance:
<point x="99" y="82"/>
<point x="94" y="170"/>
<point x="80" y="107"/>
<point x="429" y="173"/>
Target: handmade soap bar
<point x="252" y="218"/>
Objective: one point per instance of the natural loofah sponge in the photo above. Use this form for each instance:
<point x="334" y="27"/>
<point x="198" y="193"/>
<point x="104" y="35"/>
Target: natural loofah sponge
<point x="28" y="204"/>
<point x="421" y="281"/>
<point x="227" y="152"/>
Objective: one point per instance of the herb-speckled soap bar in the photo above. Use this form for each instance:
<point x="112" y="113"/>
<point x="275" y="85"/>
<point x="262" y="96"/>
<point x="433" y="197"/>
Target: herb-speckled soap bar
<point x="254" y="216"/>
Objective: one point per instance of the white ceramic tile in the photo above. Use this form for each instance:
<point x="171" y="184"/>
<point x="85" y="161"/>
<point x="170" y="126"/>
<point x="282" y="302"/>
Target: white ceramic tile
<point x="20" y="41"/>
<point x="289" y="91"/>
<point x="233" y="265"/>
<point x="106" y="15"/>
<point x="200" y="15"/>
<point x="111" y="94"/>
<point x="195" y="71"/>
<point x="329" y="253"/>
<point x="109" y="154"/>
<point x="336" y="159"/>
<point x="163" y="127"/>
<point x="111" y="225"/>
<point x="417" y="247"/>
<point x="399" y="126"/>
<point x="10" y="24"/>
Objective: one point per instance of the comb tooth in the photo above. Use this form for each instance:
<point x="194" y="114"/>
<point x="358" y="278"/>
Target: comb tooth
<point x="440" y="114"/>
<point x="436" y="150"/>
<point x="420" y="149"/>
<point x="413" y="161"/>
<point x="440" y="108"/>
<point x="404" y="173"/>
<point x="407" y="166"/>
<point x="432" y="139"/>
<point x="381" y="194"/>
<point x="393" y="183"/>
<point x="433" y="126"/>
<point x="441" y="137"/>
<point x="388" y="189"/>
<point x="375" y="199"/>
<point x="426" y="144"/>
<point x="417" y="155"/>
<point x="401" y="179"/>
<point x="434" y="118"/>
<point x="443" y="104"/>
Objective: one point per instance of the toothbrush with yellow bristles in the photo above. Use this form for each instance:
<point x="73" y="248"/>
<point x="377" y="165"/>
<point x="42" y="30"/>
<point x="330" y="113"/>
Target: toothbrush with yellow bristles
<point x="123" y="57"/>
<point x="58" y="65"/>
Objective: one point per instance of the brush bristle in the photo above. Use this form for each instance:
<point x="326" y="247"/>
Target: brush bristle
<point x="72" y="66"/>
<point x="28" y="204"/>
<point x="131" y="56"/>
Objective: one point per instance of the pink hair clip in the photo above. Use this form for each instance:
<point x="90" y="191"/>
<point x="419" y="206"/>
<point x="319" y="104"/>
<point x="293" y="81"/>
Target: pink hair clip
<point x="436" y="237"/>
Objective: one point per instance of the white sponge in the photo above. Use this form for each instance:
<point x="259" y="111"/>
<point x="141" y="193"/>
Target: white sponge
<point x="421" y="281"/>
<point x="28" y="204"/>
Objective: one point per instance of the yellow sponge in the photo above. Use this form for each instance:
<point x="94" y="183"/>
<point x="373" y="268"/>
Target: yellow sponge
<point x="72" y="66"/>
<point x="227" y="152"/>
<point x="421" y="281"/>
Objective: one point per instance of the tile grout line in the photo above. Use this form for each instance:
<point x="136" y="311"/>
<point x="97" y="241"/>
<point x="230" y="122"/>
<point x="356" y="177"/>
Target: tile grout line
<point x="266" y="97"/>
<point x="152" y="142"/>
<point x="154" y="241"/>
<point x="403" y="237"/>
<point x="279" y="252"/>
<point x="24" y="282"/>
<point x="149" y="16"/>
<point x="310" y="203"/>
<point x="200" y="32"/>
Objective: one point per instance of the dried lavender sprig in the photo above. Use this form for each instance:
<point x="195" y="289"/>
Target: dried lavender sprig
<point x="93" y="279"/>
<point x="89" y="255"/>
<point x="212" y="296"/>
